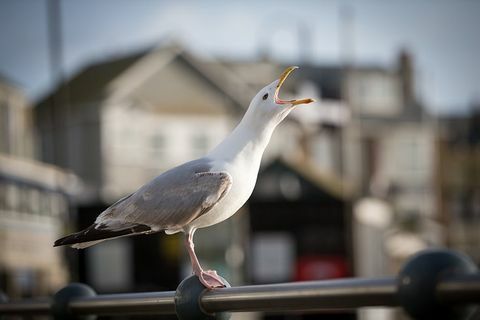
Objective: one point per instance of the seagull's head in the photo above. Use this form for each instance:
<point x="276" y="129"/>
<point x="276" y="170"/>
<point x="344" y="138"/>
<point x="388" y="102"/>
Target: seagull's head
<point x="268" y="105"/>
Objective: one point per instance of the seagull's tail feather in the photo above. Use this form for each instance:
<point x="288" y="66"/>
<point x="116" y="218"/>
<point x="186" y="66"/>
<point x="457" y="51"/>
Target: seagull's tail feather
<point x="100" y="232"/>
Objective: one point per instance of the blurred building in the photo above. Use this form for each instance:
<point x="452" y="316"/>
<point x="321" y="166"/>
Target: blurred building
<point x="16" y="127"/>
<point x="300" y="228"/>
<point x="33" y="205"/>
<point x="459" y="181"/>
<point x="390" y="149"/>
<point x="300" y="224"/>
<point x="390" y="159"/>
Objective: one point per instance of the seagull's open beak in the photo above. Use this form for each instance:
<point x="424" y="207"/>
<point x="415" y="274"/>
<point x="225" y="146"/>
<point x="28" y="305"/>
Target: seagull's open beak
<point x="281" y="80"/>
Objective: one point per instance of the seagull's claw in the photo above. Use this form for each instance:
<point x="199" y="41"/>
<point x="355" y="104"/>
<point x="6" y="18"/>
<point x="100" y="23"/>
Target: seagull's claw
<point x="211" y="280"/>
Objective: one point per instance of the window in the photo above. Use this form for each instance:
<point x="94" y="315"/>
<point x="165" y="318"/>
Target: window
<point x="24" y="205"/>
<point x="34" y="201"/>
<point x="45" y="207"/>
<point x="12" y="197"/>
<point x="54" y="205"/>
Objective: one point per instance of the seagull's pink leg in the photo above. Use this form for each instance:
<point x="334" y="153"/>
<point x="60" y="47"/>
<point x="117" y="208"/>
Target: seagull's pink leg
<point x="210" y="278"/>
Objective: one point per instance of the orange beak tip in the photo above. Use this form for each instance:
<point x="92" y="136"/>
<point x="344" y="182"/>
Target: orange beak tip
<point x="302" y="101"/>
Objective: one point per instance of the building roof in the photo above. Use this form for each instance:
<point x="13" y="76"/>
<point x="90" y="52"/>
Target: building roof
<point x="92" y="83"/>
<point x="462" y="130"/>
<point x="291" y="179"/>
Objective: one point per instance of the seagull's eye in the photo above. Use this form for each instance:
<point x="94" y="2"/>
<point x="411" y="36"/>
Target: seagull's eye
<point x="265" y="96"/>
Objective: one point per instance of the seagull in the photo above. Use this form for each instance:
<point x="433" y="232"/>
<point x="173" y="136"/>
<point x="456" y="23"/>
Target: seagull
<point x="199" y="193"/>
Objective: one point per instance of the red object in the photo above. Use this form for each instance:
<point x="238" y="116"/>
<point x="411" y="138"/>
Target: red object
<point x="320" y="267"/>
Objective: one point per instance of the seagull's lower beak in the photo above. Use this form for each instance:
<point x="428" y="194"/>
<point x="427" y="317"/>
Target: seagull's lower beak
<point x="281" y="80"/>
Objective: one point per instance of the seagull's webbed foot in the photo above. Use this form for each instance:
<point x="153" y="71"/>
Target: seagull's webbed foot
<point x="210" y="279"/>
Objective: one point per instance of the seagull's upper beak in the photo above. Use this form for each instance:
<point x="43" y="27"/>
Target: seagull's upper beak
<point x="281" y="80"/>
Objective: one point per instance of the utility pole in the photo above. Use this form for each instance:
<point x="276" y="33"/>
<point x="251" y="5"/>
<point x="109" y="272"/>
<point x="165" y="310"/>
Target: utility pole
<point x="57" y="139"/>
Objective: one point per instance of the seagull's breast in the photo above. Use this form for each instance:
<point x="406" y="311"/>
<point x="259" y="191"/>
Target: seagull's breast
<point x="244" y="177"/>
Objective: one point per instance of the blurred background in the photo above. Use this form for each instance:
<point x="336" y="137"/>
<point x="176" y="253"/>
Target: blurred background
<point x="98" y="97"/>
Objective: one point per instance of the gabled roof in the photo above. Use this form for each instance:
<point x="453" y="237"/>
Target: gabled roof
<point x="313" y="183"/>
<point x="223" y="79"/>
<point x="91" y="83"/>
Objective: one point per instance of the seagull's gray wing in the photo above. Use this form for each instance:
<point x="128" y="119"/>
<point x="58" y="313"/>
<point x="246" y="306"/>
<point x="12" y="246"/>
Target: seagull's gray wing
<point x="170" y="201"/>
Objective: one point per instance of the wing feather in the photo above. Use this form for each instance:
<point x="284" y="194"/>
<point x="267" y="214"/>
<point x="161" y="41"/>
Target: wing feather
<point x="170" y="201"/>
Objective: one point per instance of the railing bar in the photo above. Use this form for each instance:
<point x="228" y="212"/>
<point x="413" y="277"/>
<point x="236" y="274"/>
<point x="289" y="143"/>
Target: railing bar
<point x="126" y="303"/>
<point x="460" y="289"/>
<point x="341" y="294"/>
<point x="316" y="295"/>
<point x="40" y="307"/>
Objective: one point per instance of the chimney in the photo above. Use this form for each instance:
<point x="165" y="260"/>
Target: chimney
<point x="405" y="70"/>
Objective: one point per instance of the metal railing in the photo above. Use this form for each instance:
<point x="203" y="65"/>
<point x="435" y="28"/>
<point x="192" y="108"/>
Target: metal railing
<point x="434" y="284"/>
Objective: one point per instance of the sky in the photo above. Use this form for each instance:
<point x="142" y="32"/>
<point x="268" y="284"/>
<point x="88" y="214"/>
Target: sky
<point x="442" y="35"/>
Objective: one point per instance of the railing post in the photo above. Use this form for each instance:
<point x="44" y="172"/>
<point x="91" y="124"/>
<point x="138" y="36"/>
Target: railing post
<point x="61" y="299"/>
<point x="418" y="279"/>
<point x="187" y="301"/>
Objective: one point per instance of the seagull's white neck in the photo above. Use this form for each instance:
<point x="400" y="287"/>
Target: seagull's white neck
<point x="251" y="136"/>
